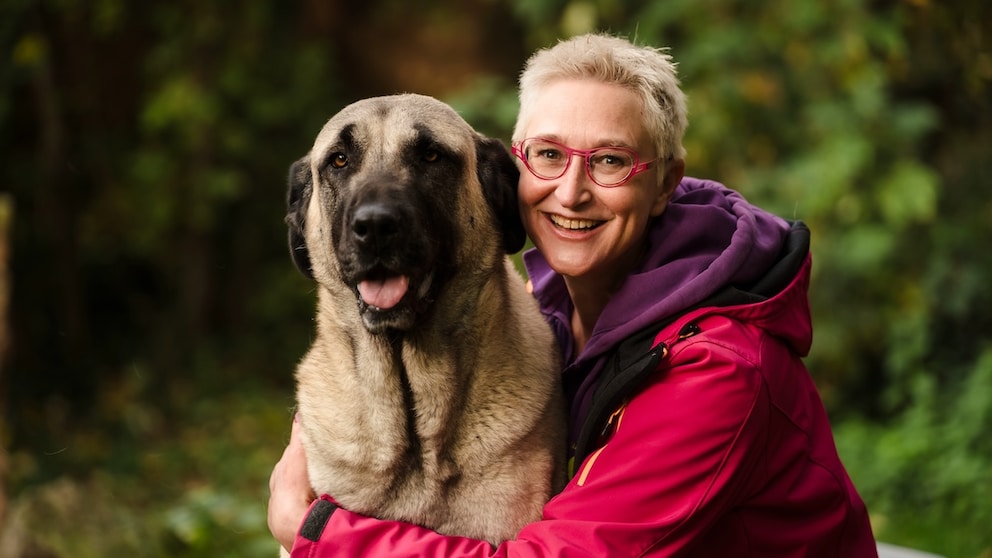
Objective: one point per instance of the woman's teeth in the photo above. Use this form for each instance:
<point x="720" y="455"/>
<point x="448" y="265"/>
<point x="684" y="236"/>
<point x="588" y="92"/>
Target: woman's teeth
<point x="573" y="224"/>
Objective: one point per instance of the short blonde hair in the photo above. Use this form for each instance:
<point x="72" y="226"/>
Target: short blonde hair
<point x="647" y="71"/>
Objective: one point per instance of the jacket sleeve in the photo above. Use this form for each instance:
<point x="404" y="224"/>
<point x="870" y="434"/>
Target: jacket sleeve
<point x="680" y="454"/>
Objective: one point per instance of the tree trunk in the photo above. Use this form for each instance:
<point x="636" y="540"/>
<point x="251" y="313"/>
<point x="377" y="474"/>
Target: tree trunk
<point x="6" y="219"/>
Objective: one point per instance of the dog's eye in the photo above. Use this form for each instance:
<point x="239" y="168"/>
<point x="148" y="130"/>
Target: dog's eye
<point x="431" y="156"/>
<point x="339" y="160"/>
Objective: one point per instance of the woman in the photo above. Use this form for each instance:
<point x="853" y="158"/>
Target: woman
<point x="682" y="315"/>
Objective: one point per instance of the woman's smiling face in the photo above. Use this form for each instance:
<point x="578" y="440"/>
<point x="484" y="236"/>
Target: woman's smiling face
<point x="582" y="229"/>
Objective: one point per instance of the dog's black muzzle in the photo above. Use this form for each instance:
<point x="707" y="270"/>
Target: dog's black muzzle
<point x="388" y="251"/>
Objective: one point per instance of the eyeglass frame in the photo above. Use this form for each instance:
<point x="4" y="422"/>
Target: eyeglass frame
<point x="636" y="168"/>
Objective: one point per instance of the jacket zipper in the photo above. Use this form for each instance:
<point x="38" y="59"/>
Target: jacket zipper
<point x="615" y="418"/>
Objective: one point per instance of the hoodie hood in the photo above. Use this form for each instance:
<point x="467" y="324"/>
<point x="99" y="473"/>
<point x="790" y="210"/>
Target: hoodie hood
<point x="708" y="240"/>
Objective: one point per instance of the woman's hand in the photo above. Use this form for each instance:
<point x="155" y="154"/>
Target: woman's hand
<point x="290" y="494"/>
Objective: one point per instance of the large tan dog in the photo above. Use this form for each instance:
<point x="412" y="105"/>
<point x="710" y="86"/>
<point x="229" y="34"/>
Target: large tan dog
<point x="431" y="392"/>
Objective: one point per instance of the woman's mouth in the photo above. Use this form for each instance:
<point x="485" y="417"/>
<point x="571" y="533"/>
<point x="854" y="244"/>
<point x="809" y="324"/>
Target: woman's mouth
<point x="573" y="224"/>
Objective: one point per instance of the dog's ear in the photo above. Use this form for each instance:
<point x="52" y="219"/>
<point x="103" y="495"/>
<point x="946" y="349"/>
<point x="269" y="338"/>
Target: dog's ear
<point x="297" y="200"/>
<point x="498" y="175"/>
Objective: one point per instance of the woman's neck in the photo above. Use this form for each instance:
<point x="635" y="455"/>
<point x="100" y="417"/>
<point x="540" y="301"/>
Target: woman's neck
<point x="591" y="293"/>
<point x="586" y="308"/>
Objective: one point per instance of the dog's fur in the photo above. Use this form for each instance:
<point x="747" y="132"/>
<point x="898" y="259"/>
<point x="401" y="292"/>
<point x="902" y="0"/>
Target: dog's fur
<point x="442" y="409"/>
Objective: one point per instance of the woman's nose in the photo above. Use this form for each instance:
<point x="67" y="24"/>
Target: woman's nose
<point x="574" y="187"/>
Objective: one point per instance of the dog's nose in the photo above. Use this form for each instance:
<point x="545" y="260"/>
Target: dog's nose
<point x="375" y="224"/>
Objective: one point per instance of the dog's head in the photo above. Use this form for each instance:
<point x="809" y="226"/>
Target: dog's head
<point x="398" y="194"/>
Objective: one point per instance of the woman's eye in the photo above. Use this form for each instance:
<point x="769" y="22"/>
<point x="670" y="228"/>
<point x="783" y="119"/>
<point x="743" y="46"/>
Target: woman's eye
<point x="339" y="160"/>
<point x="611" y="160"/>
<point x="550" y="154"/>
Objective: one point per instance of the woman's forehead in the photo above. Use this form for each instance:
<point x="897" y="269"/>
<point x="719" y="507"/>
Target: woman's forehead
<point x="584" y="114"/>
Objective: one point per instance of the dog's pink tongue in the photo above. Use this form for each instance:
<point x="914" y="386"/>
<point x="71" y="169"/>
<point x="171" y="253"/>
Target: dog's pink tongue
<point x="384" y="293"/>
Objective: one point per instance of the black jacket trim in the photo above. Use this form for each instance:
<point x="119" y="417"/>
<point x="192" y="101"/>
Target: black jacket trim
<point x="320" y="514"/>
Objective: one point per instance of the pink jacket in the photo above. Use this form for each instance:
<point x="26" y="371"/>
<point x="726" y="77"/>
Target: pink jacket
<point x="726" y="452"/>
<point x="723" y="450"/>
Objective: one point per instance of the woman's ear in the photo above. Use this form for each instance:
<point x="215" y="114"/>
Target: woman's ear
<point x="674" y="172"/>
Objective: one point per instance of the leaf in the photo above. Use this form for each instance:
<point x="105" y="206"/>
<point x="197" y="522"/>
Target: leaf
<point x="908" y="194"/>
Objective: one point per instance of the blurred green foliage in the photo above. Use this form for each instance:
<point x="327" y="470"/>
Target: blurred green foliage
<point x="157" y="319"/>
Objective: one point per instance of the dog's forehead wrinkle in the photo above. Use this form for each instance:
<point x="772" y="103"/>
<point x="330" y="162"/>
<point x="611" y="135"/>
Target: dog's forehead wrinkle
<point x="453" y="140"/>
<point x="347" y="137"/>
<point x="397" y="122"/>
<point x="424" y="119"/>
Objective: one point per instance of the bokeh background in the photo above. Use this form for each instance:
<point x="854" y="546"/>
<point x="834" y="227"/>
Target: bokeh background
<point x="151" y="317"/>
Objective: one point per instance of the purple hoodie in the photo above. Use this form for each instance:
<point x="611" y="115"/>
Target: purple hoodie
<point x="709" y="237"/>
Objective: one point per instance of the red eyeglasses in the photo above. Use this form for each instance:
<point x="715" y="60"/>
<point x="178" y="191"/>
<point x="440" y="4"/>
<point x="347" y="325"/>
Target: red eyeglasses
<point x="608" y="167"/>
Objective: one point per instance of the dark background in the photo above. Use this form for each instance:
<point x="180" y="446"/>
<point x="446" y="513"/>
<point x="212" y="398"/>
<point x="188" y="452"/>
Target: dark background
<point x="152" y="318"/>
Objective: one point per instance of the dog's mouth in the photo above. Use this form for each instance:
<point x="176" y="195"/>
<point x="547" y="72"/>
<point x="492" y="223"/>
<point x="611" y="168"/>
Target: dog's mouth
<point x="383" y="291"/>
